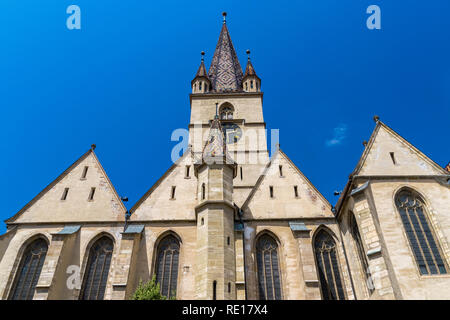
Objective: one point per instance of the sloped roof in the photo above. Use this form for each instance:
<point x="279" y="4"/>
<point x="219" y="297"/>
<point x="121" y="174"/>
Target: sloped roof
<point x="366" y="152"/>
<point x="264" y="174"/>
<point x="201" y="72"/>
<point x="249" y="70"/>
<point x="225" y="72"/>
<point x="60" y="177"/>
<point x="159" y="181"/>
<point x="369" y="146"/>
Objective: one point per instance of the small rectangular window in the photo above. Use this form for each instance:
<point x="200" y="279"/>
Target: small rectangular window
<point x="271" y="191"/>
<point x="64" y="195"/>
<point x="393" y="157"/>
<point x="172" y="194"/>
<point x="91" y="194"/>
<point x="85" y="170"/>
<point x="296" y="191"/>
<point x="281" y="170"/>
<point x="187" y="171"/>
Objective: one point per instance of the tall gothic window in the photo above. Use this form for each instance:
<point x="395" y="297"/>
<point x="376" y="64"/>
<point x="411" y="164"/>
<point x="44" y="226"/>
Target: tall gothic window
<point x="328" y="268"/>
<point x="361" y="252"/>
<point x="269" y="279"/>
<point x="167" y="265"/>
<point x="97" y="269"/>
<point x="423" y="244"/>
<point x="29" y="270"/>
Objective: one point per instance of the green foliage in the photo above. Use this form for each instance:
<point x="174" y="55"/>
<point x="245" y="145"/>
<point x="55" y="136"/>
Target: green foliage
<point x="150" y="291"/>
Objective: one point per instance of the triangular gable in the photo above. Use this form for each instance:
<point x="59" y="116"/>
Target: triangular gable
<point x="307" y="192"/>
<point x="118" y="205"/>
<point x="163" y="201"/>
<point x="377" y="160"/>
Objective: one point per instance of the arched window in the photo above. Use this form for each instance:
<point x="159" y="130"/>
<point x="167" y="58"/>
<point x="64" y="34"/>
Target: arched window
<point x="269" y="279"/>
<point x="361" y="252"/>
<point x="328" y="268"/>
<point x="167" y="265"/>
<point x="97" y="269"/>
<point x="226" y="112"/>
<point x="29" y="270"/>
<point x="418" y="230"/>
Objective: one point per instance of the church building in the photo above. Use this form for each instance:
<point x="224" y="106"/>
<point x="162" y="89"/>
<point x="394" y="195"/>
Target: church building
<point x="226" y="221"/>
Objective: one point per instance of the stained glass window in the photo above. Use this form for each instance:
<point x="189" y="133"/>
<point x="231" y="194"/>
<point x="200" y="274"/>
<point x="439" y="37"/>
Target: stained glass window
<point x="29" y="270"/>
<point x="167" y="265"/>
<point x="328" y="268"/>
<point x="269" y="278"/>
<point x="97" y="269"/>
<point x="423" y="244"/>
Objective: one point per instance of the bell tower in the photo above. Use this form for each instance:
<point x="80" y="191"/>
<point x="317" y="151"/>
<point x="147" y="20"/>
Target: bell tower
<point x="238" y="100"/>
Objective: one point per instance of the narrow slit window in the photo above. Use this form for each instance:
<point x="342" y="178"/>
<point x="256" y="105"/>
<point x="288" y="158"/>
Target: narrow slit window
<point x="64" y="195"/>
<point x="229" y="287"/>
<point x="242" y="176"/>
<point x="203" y="221"/>
<point x="91" y="194"/>
<point x="393" y="158"/>
<point x="296" y="191"/>
<point x="85" y="170"/>
<point x="228" y="240"/>
<point x="214" y="290"/>
<point x="187" y="170"/>
<point x="172" y="193"/>
<point x="200" y="86"/>
<point x="271" y="191"/>
<point x="203" y="191"/>
<point x="280" y="168"/>
<point x="251" y="84"/>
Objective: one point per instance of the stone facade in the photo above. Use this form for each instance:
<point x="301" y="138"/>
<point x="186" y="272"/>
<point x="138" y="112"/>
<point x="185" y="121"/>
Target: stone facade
<point x="217" y="214"/>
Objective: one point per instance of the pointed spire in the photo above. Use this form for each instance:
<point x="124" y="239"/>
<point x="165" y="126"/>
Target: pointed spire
<point x="249" y="70"/>
<point x="215" y="149"/>
<point x="225" y="71"/>
<point x="201" y="72"/>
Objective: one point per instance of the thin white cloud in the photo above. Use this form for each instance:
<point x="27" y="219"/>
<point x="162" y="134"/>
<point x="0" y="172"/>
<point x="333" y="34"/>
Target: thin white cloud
<point x="340" y="133"/>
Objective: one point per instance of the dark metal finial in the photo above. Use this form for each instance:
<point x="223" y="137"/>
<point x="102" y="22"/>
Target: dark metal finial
<point x="93" y="146"/>
<point x="365" y="143"/>
<point x="224" y="17"/>
<point x="203" y="54"/>
<point x="376" y="118"/>
<point x="248" y="53"/>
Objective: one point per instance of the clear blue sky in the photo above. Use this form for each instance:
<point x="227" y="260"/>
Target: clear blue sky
<point x="123" y="81"/>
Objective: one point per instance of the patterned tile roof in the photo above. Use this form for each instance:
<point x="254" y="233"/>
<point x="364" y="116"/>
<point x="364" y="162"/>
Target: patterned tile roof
<point x="225" y="72"/>
<point x="201" y="72"/>
<point x="249" y="70"/>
